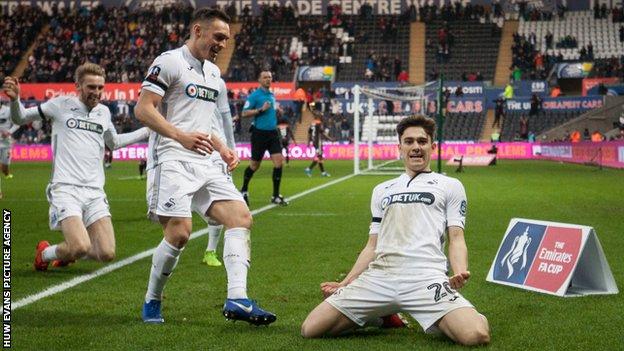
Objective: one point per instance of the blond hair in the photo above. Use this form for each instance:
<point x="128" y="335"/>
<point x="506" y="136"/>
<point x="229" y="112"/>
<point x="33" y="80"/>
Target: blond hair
<point x="88" y="68"/>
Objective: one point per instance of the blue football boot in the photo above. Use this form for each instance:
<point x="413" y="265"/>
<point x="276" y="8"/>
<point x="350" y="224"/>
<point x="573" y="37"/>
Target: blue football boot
<point x="151" y="312"/>
<point x="247" y="310"/>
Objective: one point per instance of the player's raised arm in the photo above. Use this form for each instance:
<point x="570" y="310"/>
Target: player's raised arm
<point x="147" y="113"/>
<point x="19" y="114"/>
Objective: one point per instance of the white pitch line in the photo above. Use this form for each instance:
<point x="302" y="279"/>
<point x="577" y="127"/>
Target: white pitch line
<point x="55" y="289"/>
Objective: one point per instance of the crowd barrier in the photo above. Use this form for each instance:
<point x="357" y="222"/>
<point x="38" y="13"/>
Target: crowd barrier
<point x="608" y="154"/>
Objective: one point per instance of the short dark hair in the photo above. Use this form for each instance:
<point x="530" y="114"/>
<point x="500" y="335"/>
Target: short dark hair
<point x="209" y="14"/>
<point x="264" y="70"/>
<point x="428" y="124"/>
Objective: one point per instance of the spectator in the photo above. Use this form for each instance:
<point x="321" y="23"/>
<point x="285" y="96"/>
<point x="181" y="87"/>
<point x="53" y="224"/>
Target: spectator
<point x="459" y="92"/>
<point x="597" y="137"/>
<point x="345" y="129"/>
<point x="508" y="93"/>
<point x="556" y="91"/>
<point x="575" y="136"/>
<point x="499" y="112"/>
<point x="495" y="136"/>
<point x="549" y="40"/>
<point x="524" y="127"/>
<point x="586" y="135"/>
<point x="602" y="89"/>
<point x="397" y="65"/>
<point x="433" y="74"/>
<point x="403" y="77"/>
<point x="300" y="99"/>
<point x="516" y="74"/>
<point x="536" y="105"/>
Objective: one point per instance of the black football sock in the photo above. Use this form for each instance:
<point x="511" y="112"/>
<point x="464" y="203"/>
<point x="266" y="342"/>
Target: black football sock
<point x="277" y="178"/>
<point x="321" y="167"/>
<point x="247" y="178"/>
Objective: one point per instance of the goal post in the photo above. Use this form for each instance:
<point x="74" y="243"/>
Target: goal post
<point x="374" y="127"/>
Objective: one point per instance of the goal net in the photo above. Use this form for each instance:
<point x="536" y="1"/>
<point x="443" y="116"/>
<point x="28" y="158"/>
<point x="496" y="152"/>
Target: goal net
<point x="375" y="138"/>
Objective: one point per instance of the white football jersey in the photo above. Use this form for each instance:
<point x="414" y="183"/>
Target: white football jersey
<point x="189" y="89"/>
<point x="6" y="126"/>
<point x="410" y="217"/>
<point x="78" y="138"/>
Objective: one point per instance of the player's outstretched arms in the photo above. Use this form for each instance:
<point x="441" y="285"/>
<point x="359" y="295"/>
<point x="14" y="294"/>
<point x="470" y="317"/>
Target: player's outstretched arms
<point x="19" y="114"/>
<point x="115" y="141"/>
<point x="10" y="86"/>
<point x="147" y="114"/>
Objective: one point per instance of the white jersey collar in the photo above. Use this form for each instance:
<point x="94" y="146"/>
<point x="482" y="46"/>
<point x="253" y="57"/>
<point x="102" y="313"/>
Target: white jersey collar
<point x="84" y="106"/>
<point x="418" y="175"/>
<point x="192" y="60"/>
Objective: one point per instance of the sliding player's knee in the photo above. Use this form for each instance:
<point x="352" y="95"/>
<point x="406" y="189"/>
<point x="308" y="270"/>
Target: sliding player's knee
<point x="79" y="249"/>
<point x="106" y="255"/>
<point x="479" y="334"/>
<point x="310" y="330"/>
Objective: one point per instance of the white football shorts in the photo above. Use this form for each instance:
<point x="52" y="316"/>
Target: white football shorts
<point x="175" y="188"/>
<point x="376" y="293"/>
<point x="68" y="200"/>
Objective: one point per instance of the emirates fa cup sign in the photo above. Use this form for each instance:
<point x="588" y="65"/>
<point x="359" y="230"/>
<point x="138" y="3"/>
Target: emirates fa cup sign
<point x="553" y="258"/>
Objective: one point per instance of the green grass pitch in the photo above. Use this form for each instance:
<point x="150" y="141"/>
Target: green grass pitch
<point x="316" y="238"/>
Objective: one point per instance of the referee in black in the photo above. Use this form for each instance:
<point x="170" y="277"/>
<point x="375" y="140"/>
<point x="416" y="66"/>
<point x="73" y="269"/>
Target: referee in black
<point x="264" y="136"/>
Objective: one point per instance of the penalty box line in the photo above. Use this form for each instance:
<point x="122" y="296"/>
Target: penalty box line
<point x="55" y="289"/>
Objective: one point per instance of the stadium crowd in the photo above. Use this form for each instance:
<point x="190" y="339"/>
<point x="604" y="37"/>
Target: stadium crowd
<point x="127" y="41"/>
<point x="527" y="61"/>
<point x="28" y="22"/>
<point x="121" y="41"/>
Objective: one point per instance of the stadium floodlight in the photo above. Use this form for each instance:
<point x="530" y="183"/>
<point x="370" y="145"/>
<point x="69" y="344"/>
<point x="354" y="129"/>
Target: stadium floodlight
<point x="375" y="130"/>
